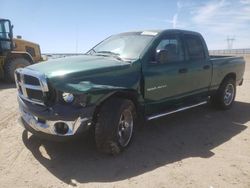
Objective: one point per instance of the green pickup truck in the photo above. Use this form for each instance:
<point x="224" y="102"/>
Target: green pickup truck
<point x="121" y="82"/>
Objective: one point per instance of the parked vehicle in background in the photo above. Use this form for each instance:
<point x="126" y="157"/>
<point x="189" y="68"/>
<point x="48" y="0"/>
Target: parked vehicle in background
<point x="15" y="53"/>
<point x="125" y="78"/>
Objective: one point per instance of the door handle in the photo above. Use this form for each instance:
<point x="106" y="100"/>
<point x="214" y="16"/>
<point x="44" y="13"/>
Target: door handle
<point x="206" y="67"/>
<point x="183" y="70"/>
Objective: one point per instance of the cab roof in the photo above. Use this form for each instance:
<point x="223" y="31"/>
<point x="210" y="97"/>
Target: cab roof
<point x="155" y="32"/>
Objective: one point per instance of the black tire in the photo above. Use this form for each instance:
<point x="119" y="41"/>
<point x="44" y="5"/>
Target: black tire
<point x="219" y="100"/>
<point x="11" y="65"/>
<point x="108" y="125"/>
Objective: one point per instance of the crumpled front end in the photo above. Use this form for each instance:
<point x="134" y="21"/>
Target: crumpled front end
<point x="43" y="113"/>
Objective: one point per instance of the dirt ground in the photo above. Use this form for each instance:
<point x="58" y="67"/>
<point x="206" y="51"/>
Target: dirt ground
<point x="201" y="147"/>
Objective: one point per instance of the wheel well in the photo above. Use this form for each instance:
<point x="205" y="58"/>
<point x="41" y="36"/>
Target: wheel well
<point x="130" y="95"/>
<point x="20" y="55"/>
<point x="229" y="75"/>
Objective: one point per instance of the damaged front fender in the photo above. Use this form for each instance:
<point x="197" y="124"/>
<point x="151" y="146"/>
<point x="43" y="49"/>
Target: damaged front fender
<point x="86" y="87"/>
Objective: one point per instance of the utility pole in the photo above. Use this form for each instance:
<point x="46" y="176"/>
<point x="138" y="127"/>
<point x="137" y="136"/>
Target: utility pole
<point x="230" y="41"/>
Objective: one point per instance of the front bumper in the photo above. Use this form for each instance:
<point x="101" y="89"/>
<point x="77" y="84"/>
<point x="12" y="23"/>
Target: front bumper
<point x="41" y="119"/>
<point x="46" y="136"/>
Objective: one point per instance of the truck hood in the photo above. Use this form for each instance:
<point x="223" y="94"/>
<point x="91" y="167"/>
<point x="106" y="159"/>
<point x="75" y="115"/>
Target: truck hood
<point x="82" y="63"/>
<point x="88" y="73"/>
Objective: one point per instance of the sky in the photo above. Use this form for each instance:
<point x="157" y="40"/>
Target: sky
<point x="74" y="26"/>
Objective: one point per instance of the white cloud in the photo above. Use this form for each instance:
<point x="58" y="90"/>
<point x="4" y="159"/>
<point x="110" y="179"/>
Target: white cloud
<point x="208" y="11"/>
<point x="175" y="20"/>
<point x="175" y="23"/>
<point x="214" y="19"/>
<point x="221" y="19"/>
<point x="245" y="2"/>
<point x="179" y="5"/>
<point x="223" y="15"/>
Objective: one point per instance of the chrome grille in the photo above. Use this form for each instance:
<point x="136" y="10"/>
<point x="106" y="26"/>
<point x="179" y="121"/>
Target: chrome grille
<point x="31" y="80"/>
<point x="32" y="85"/>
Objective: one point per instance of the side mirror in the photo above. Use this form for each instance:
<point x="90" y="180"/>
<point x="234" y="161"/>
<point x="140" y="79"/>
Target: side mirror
<point x="161" y="56"/>
<point x="11" y="31"/>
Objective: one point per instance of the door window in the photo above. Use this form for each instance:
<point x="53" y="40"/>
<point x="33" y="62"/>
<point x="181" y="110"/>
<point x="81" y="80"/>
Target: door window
<point x="173" y="47"/>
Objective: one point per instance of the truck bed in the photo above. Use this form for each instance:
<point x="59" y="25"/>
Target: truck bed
<point x="224" y="65"/>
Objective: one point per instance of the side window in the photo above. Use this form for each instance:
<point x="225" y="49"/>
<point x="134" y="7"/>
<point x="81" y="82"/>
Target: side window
<point x="174" y="49"/>
<point x="194" y="47"/>
<point x="4" y="30"/>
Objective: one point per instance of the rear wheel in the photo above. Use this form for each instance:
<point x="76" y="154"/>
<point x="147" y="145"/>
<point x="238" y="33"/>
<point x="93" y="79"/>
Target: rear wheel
<point x="12" y="65"/>
<point x="115" y="125"/>
<point x="225" y="95"/>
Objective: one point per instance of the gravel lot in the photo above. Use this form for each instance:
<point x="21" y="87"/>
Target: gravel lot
<point x="201" y="147"/>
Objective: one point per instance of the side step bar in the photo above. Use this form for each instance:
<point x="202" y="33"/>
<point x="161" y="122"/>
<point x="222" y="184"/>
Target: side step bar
<point x="174" y="111"/>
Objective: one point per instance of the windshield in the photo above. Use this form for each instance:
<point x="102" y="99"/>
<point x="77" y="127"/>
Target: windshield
<point x="4" y="29"/>
<point x="126" y="46"/>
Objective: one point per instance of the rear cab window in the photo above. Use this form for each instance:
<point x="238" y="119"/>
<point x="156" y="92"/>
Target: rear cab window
<point x="194" y="47"/>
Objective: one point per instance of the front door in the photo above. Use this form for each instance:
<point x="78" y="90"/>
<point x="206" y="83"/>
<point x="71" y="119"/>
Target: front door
<point x="165" y="83"/>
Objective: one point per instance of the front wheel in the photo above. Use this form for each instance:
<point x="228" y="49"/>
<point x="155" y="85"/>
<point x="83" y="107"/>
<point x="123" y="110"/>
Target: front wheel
<point x="225" y="95"/>
<point x="115" y="125"/>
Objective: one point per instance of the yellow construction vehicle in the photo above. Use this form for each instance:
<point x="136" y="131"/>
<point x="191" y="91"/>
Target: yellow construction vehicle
<point x="15" y="53"/>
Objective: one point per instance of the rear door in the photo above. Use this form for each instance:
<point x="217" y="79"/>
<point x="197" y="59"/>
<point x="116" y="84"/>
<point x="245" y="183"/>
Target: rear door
<point x="199" y="73"/>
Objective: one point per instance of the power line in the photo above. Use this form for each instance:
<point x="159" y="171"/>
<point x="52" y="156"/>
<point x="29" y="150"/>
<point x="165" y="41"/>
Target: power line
<point x="230" y="41"/>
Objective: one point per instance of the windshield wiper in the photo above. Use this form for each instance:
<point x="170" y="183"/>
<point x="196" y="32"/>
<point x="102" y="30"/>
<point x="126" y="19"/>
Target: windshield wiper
<point x="113" y="54"/>
<point x="90" y="52"/>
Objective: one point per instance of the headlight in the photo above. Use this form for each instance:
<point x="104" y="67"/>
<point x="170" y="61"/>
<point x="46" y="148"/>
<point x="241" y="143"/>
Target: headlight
<point x="68" y="97"/>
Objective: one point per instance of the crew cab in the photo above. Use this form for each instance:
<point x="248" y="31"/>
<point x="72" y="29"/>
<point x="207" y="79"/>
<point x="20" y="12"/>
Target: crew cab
<point x="122" y="81"/>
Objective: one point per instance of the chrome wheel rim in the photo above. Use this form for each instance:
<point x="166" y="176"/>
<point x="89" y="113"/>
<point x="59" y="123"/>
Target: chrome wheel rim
<point x="125" y="128"/>
<point x="229" y="94"/>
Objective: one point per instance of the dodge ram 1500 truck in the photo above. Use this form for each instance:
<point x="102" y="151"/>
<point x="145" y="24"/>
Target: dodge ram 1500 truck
<point x="130" y="76"/>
